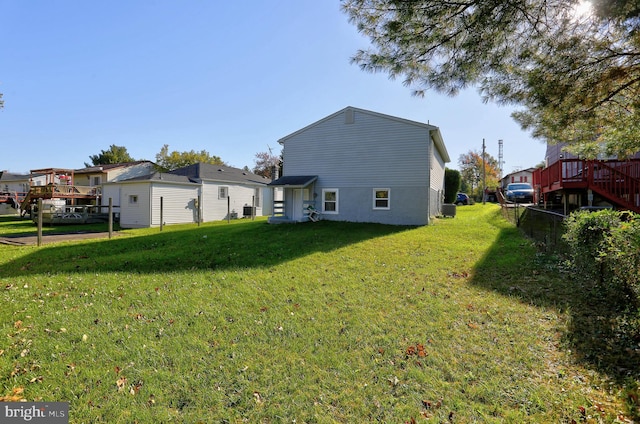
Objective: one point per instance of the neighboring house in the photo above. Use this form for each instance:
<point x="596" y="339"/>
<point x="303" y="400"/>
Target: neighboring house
<point x="14" y="187"/>
<point x="196" y="193"/>
<point x="362" y="166"/>
<point x="568" y="182"/>
<point x="522" y="176"/>
<point x="95" y="176"/>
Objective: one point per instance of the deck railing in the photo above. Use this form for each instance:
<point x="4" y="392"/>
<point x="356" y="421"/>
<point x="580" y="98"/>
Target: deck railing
<point x="63" y="190"/>
<point x="279" y="207"/>
<point x="618" y="181"/>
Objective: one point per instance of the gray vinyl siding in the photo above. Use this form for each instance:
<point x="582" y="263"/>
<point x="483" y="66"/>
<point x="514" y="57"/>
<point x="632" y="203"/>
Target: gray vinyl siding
<point x="436" y="183"/>
<point x="371" y="152"/>
<point x="408" y="206"/>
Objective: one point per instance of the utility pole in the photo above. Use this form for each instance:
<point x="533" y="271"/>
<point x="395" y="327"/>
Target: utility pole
<point x="484" y="176"/>
<point x="500" y="159"/>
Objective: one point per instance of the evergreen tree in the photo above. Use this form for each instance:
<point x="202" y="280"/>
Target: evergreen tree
<point x="574" y="76"/>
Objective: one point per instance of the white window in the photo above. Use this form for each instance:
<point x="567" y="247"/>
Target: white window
<point x="330" y="197"/>
<point x="223" y="192"/>
<point x="381" y="198"/>
<point x="133" y="199"/>
<point x="97" y="181"/>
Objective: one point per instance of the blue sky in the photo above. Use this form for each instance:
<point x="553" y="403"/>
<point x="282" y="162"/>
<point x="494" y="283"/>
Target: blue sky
<point x="230" y="78"/>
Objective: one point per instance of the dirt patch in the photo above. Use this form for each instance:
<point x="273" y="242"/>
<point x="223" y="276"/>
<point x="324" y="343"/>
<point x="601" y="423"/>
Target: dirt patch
<point x="52" y="238"/>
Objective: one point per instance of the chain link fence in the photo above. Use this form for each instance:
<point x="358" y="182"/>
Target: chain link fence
<point x="543" y="226"/>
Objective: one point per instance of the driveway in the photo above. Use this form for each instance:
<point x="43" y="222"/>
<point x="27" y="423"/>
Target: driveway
<point x="52" y="238"/>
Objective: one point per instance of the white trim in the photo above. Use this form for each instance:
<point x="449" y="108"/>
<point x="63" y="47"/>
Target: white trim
<point x="337" y="201"/>
<point x="388" y="199"/>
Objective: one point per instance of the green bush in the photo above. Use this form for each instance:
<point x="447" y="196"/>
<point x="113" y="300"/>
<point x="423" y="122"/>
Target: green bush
<point x="604" y="250"/>
<point x="452" y="181"/>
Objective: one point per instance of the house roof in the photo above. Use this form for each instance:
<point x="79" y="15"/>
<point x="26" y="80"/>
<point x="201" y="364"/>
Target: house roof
<point x="108" y="167"/>
<point x="434" y="131"/>
<point x="220" y="173"/>
<point x="160" y="176"/>
<point x="203" y="172"/>
<point x="8" y="176"/>
<point x="294" y="181"/>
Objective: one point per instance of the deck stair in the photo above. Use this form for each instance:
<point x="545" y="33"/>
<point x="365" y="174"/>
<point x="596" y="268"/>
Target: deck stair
<point x="619" y="183"/>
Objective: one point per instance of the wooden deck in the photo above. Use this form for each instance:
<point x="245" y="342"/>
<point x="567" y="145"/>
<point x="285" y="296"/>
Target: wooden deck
<point x="616" y="181"/>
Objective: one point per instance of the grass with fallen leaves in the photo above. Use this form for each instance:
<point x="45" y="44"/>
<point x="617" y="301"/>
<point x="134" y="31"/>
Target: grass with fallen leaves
<point x="458" y="321"/>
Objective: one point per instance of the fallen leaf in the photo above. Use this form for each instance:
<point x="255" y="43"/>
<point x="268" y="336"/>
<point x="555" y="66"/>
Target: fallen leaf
<point x="421" y="351"/>
<point x="257" y="397"/>
<point x="121" y="382"/>
<point x="15" y="396"/>
<point x="135" y="388"/>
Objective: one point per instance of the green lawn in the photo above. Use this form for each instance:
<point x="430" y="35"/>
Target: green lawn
<point x="459" y="321"/>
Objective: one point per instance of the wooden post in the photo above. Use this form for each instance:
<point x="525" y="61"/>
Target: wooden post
<point x="253" y="207"/>
<point x="39" y="222"/>
<point x="228" y="209"/>
<point x="110" y="217"/>
<point x="161" y="212"/>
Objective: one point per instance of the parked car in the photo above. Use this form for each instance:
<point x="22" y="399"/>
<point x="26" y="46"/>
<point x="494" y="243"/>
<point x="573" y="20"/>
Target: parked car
<point x="462" y="199"/>
<point x="519" y="193"/>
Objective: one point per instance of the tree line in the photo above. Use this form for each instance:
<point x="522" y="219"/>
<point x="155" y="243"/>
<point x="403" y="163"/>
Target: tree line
<point x="264" y="162"/>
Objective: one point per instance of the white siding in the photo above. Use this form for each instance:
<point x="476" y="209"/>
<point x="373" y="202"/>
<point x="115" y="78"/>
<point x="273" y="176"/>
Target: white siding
<point x="111" y="191"/>
<point x="135" y="215"/>
<point x="178" y="203"/>
<point x="215" y="209"/>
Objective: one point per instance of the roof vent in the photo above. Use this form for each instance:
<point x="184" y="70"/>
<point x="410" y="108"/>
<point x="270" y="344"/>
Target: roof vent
<point x="348" y="116"/>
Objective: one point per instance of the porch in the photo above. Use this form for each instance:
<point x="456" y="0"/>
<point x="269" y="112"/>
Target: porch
<point x="615" y="181"/>
<point x="298" y="203"/>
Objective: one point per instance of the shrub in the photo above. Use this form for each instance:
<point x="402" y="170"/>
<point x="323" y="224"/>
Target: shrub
<point x="452" y="181"/>
<point x="604" y="250"/>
